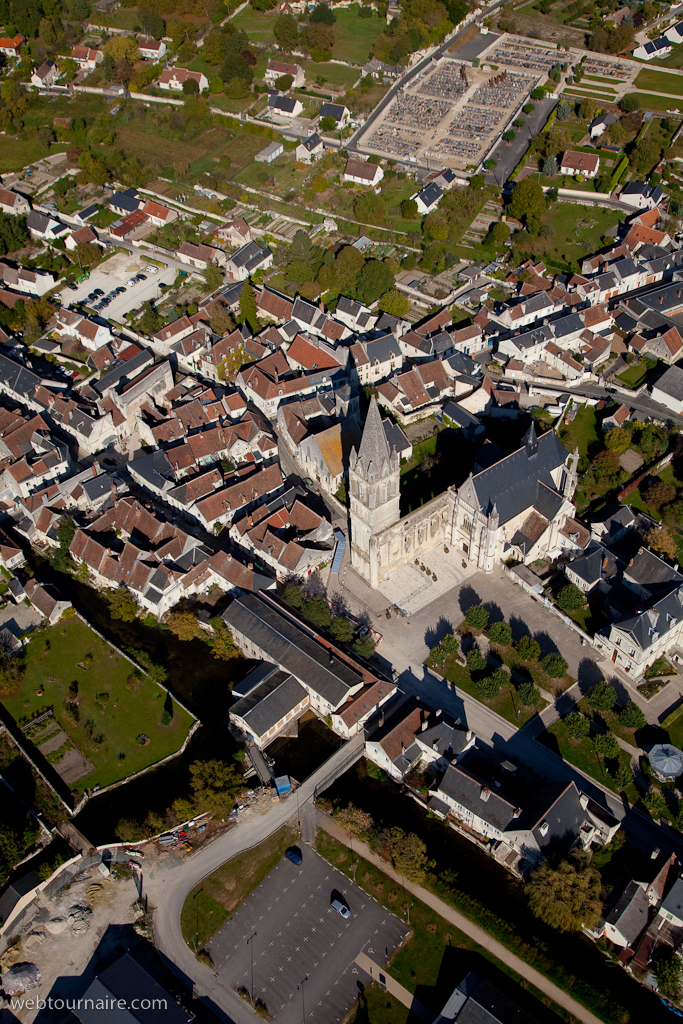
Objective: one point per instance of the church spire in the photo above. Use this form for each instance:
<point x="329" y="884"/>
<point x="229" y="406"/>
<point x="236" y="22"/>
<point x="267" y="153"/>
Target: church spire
<point x="374" y="448"/>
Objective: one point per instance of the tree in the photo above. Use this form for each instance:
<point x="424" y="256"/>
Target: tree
<point x="617" y="440"/>
<point x="500" y="633"/>
<point x="509" y="135"/>
<point x="662" y="542"/>
<point x="86" y="253"/>
<point x="644" y="157"/>
<point x="395" y="303"/>
<point x="528" y="649"/>
<point x="477" y="616"/>
<point x="668" y="969"/>
<point x="550" y="165"/>
<point x="221" y="320"/>
<point x="221" y="640"/>
<point x="489" y="687"/>
<point x="498" y="233"/>
<point x="408" y="854"/>
<point x="538" y="93"/>
<point x="607" y="745"/>
<point x="365" y="646"/>
<point x="659" y="494"/>
<point x="631" y="716"/>
<point x="317" y="610"/>
<point x="248" y="307"/>
<point x="323" y="14"/>
<point x="566" y="897"/>
<point x="602" y="696"/>
<point x="215" y="786"/>
<point x="184" y="625"/>
<point x="654" y="802"/>
<point x="564" y="111"/>
<point x="341" y="629"/>
<point x="286" y="32"/>
<point x="320" y="37"/>
<point x="190" y="87"/>
<point x="122" y="605"/>
<point x="409" y="209"/>
<point x="122" y="49"/>
<point x="629" y="102"/>
<point x="527" y="200"/>
<point x="529" y="695"/>
<point x="152" y="23"/>
<point x="213" y="48"/>
<point x="577" y="725"/>
<point x="327" y="123"/>
<point x="371" y="209"/>
<point x="570" y="598"/>
<point x="476" y="662"/>
<point x="623" y="776"/>
<point x="448" y="647"/>
<point x="555" y="665"/>
<point x="375" y="279"/>
<point x="213" y="276"/>
<point x="293" y="595"/>
<point x="353" y="820"/>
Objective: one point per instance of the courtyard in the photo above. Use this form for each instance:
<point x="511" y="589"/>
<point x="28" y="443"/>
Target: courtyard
<point x="288" y="946"/>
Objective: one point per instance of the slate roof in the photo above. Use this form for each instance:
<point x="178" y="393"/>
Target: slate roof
<point x="671" y="383"/>
<point x="17" y="888"/>
<point x="126" y="980"/>
<point x="286" y="104"/>
<point x="311" y="142"/>
<point x="374" y="447"/>
<point x="588" y="567"/>
<point x="335" y="110"/>
<point x="290" y="648"/>
<point x="268" y="702"/>
<point x="673" y="901"/>
<point x="630" y="915"/>
<point x="430" y="195"/>
<point x="466" y="788"/>
<point x="250" y="254"/>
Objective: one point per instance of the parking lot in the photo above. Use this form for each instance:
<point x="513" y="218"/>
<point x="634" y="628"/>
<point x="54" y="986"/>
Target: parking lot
<point x="300" y="949"/>
<point x="113" y="274"/>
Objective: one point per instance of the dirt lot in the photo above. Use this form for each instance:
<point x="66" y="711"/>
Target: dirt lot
<point x="538" y="26"/>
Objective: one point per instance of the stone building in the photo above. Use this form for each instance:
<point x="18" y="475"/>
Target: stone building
<point x="514" y="509"/>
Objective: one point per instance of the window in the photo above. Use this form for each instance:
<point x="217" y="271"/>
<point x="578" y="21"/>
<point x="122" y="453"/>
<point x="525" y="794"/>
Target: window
<point x="466" y="524"/>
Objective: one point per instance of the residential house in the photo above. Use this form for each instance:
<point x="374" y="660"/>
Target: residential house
<point x="200" y="255"/>
<point x="28" y="282"/>
<point x="46" y="600"/>
<point x="125" y="202"/>
<point x="628" y="918"/>
<point x="158" y="214"/>
<point x="428" y="199"/>
<point x="337" y="111"/>
<point x="361" y="706"/>
<point x="237" y="231"/>
<point x="284" y="106"/>
<point x="276" y="68"/>
<point x="153" y="49"/>
<point x="46" y="75"/>
<point x="287" y="536"/>
<point x="121" y="985"/>
<point x="10" y="46"/>
<point x="43" y="227"/>
<point x="13" y="203"/>
<point x="89" y="333"/>
<point x="413" y="733"/>
<point x="668" y="390"/>
<point x="362" y="172"/>
<point x="274" y="305"/>
<point x="375" y="360"/>
<point x="574" y="162"/>
<point x="641" y="195"/>
<point x="86" y="57"/>
<point x="245" y="261"/>
<point x="309" y="149"/>
<point x="600" y="124"/>
<point x="175" y="78"/>
<point x="658" y="48"/>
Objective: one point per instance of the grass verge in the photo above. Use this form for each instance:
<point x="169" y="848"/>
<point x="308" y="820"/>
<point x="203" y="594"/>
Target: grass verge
<point x="506" y="704"/>
<point x="217" y="897"/>
<point x="583" y="754"/>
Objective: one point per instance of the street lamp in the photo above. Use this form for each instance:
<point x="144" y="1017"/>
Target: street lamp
<point x="303" y="999"/>
<point x="250" y="943"/>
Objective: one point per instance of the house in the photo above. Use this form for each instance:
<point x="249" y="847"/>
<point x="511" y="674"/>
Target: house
<point x="152" y="49"/>
<point x="125" y="202"/>
<point x="276" y="68"/>
<point x="472" y="427"/>
<point x="641" y="195"/>
<point x="675" y="33"/>
<point x="628" y="919"/>
<point x="13" y="203"/>
<point x="46" y="75"/>
<point x="31" y="882"/>
<point x="414" y="733"/>
<point x="362" y="172"/>
<point x="378" y="69"/>
<point x="158" y="214"/>
<point x="671" y="907"/>
<point x="10" y="46"/>
<point x="653" y="48"/>
<point x="337" y="111"/>
<point x="134" y="225"/>
<point x="245" y="261"/>
<point x="236" y="231"/>
<point x="272" y="151"/>
<point x="352" y="716"/>
<point x="601" y="124"/>
<point x="668" y="391"/>
<point x="175" y="78"/>
<point x="285" y="106"/>
<point x="270" y="707"/>
<point x="46" y="600"/>
<point x="83" y="236"/>
<point x="200" y="255"/>
<point x="44" y="227"/>
<point x="477" y="1001"/>
<point x="309" y="149"/>
<point x="573" y="162"/>
<point x="429" y="198"/>
<point x="85" y="57"/>
<point x="127" y="984"/>
<point x="29" y="282"/>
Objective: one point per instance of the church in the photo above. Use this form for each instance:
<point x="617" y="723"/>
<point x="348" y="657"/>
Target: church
<point x="515" y="508"/>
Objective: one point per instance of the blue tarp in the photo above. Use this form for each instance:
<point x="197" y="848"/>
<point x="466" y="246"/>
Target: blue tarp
<point x="282" y="784"/>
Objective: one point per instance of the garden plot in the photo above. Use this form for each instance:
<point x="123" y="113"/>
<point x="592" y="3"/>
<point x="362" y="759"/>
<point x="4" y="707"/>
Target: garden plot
<point x="59" y="751"/>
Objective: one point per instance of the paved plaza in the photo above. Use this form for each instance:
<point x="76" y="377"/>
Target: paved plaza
<point x="301" y="951"/>
<point x="410" y="589"/>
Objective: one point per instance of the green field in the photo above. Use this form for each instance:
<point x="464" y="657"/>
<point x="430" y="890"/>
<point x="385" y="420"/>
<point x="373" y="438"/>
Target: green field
<point x="258" y="25"/>
<point x="634" y="376"/>
<point x="593" y="93"/>
<point x="582" y="754"/>
<point x="659" y="81"/>
<point x="354" y="36"/>
<point x="649" y="102"/>
<point x="336" y="74"/>
<point x="576" y="231"/>
<point x="54" y="659"/>
<point x="16" y="153"/>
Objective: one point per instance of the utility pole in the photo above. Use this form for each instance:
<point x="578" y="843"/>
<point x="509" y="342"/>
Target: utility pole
<point x="250" y="943"/>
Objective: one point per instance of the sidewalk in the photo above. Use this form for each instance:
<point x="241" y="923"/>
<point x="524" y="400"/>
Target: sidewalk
<point x="454" y="917"/>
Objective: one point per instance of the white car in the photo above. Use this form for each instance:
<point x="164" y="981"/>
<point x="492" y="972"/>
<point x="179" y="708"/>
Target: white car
<point x="152" y="270"/>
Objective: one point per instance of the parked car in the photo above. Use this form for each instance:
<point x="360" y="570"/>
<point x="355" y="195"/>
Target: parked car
<point x="152" y="269"/>
<point x="341" y="909"/>
<point x="97" y="291"/>
<point x="72" y="286"/>
<point x="293" y="854"/>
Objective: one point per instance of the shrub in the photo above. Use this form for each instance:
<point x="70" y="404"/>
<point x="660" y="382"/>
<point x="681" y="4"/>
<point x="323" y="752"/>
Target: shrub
<point x="570" y="598"/>
<point x="529" y="695"/>
<point x="477" y="617"/>
<point x="655" y="803"/>
<point x="602" y="696"/>
<point x="631" y="716"/>
<point x="500" y="633"/>
<point x="555" y="665"/>
<point x="448" y="646"/>
<point x="623" y="776"/>
<point x="528" y="649"/>
<point x="476" y="662"/>
<point x="341" y="629"/>
<point x="607" y="745"/>
<point x="577" y="725"/>
<point x="166" y="717"/>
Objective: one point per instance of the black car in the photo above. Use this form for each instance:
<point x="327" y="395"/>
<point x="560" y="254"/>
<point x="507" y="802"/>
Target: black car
<point x="142" y="277"/>
<point x="72" y="286"/>
<point x="92" y="297"/>
<point x="98" y="291"/>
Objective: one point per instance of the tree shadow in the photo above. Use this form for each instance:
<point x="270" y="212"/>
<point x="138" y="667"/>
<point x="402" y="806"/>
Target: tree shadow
<point x="467" y="597"/>
<point x="435" y="634"/>
<point x="518" y="627"/>
<point x="495" y="611"/>
<point x="546" y="643"/>
<point x="587" y="675"/>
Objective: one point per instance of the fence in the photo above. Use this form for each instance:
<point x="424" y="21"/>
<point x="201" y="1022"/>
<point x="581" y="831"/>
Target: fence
<point x="547" y="603"/>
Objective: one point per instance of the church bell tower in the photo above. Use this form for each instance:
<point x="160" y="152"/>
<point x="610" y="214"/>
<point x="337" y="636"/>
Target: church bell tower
<point x="375" y="490"/>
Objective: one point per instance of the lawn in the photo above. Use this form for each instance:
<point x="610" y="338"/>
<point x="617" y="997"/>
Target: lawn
<point x="582" y="754"/>
<point x="649" y="102"/>
<point x="576" y="230"/>
<point x="335" y="74"/>
<point x="258" y="25"/>
<point x="218" y="896"/>
<point x="16" y="153"/>
<point x="634" y="376"/>
<point x="659" y="81"/>
<point x="582" y="431"/>
<point x="597" y="93"/>
<point x="54" y="660"/>
<point x="354" y="36"/>
<point x="506" y="704"/>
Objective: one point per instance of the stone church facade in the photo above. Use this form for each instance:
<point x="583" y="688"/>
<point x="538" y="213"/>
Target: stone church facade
<point x="515" y="508"/>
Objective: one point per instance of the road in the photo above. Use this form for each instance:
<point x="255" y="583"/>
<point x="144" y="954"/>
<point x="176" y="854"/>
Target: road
<point x="168" y="884"/>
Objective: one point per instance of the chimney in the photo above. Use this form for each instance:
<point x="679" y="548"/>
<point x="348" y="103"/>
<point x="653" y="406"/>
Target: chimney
<point x="229" y="557"/>
<point x="468" y="735"/>
<point x="250" y="565"/>
<point x="517" y="811"/>
<point x="484" y="793"/>
<point x="583" y="800"/>
<point x="424" y="725"/>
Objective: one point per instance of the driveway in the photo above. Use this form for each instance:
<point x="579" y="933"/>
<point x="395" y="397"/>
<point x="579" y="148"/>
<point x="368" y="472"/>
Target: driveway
<point x="302" y="951"/>
<point x="508" y="154"/>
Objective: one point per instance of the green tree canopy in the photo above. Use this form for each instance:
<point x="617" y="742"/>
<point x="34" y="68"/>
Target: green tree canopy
<point x="477" y="616"/>
<point x="602" y="696"/>
<point x="566" y="897"/>
<point x="374" y="280"/>
<point x="570" y="598"/>
<point x="500" y="633"/>
<point x="527" y="200"/>
<point x="577" y="725"/>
